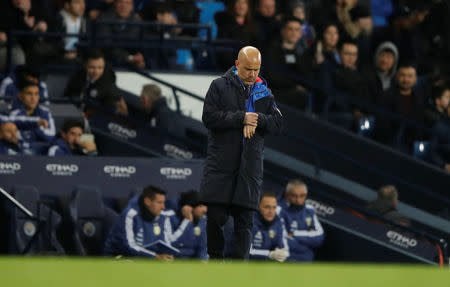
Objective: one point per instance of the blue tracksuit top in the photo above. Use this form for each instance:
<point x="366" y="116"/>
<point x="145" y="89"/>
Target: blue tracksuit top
<point x="38" y="133"/>
<point x="131" y="232"/>
<point x="9" y="91"/>
<point x="59" y="147"/>
<point x="23" y="148"/>
<point x="190" y="239"/>
<point x="266" y="238"/>
<point x="305" y="228"/>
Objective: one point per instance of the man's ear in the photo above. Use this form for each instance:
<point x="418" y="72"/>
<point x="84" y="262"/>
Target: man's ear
<point x="147" y="201"/>
<point x="236" y="63"/>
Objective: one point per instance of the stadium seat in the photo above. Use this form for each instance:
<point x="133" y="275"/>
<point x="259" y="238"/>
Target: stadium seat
<point x="27" y="235"/>
<point x="366" y="126"/>
<point x="91" y="220"/>
<point x="208" y="9"/>
<point x="421" y="150"/>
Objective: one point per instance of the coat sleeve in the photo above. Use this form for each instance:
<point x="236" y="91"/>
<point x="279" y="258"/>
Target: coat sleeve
<point x="313" y="238"/>
<point x="259" y="254"/>
<point x="47" y="134"/>
<point x="202" y="253"/>
<point x="216" y="118"/>
<point x="271" y="121"/>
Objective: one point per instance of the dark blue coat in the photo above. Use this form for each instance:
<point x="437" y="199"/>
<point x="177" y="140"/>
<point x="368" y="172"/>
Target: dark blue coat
<point x="59" y="147"/>
<point x="23" y="148"/>
<point x="305" y="228"/>
<point x="266" y="238"/>
<point x="234" y="167"/>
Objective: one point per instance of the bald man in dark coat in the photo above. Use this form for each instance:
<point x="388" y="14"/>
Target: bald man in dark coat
<point x="239" y="110"/>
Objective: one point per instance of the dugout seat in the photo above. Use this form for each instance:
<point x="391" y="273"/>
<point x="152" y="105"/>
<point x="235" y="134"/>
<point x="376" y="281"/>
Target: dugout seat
<point x="28" y="235"/>
<point x="91" y="220"/>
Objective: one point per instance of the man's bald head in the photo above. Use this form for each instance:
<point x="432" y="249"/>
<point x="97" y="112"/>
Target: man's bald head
<point x="9" y="132"/>
<point x="248" y="64"/>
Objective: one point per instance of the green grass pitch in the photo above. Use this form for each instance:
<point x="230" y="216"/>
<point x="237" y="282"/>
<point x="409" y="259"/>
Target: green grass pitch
<point x="86" y="272"/>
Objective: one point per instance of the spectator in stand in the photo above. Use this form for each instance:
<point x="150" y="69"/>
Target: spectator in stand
<point x="382" y="74"/>
<point x="302" y="225"/>
<point x="440" y="143"/>
<point x="235" y="23"/>
<point x="347" y="79"/>
<point x="407" y="21"/>
<point x="325" y="49"/>
<point x="29" y="107"/>
<point x="403" y="100"/>
<point x="285" y="65"/>
<point x="9" y="88"/>
<point x="10" y="142"/>
<point x="386" y="205"/>
<point x="120" y="32"/>
<point x="190" y="237"/>
<point x="297" y="9"/>
<point x="361" y="32"/>
<point x="437" y="109"/>
<point x="162" y="58"/>
<point x="8" y="21"/>
<point x="26" y="15"/>
<point x="269" y="234"/>
<point x="70" y="141"/>
<point x="71" y="20"/>
<point x="95" y="82"/>
<point x="266" y="22"/>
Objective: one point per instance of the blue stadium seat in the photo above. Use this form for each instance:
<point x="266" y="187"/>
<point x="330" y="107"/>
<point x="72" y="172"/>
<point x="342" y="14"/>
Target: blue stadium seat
<point x="366" y="126"/>
<point x="26" y="234"/>
<point x="421" y="150"/>
<point x="208" y="9"/>
<point x="91" y="220"/>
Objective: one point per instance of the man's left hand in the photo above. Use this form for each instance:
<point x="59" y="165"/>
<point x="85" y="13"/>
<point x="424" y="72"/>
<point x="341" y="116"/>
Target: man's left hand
<point x="249" y="131"/>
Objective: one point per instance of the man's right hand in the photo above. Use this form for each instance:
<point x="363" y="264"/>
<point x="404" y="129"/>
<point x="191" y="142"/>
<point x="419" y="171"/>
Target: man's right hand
<point x="186" y="211"/>
<point x="42" y="123"/>
<point x="164" y="257"/>
<point x="278" y="254"/>
<point x="251" y="119"/>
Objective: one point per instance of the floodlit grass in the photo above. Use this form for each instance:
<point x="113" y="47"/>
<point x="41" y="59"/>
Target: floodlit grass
<point x="86" y="272"/>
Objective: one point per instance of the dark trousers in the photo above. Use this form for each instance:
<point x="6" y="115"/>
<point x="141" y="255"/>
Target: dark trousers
<point x="243" y="223"/>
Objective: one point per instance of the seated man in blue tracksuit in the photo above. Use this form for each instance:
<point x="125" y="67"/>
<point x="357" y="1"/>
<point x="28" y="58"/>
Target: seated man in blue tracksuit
<point x="141" y="223"/>
<point x="301" y="222"/>
<point x="9" y="88"/>
<point x="10" y="143"/>
<point x="190" y="237"/>
<point x="69" y="141"/>
<point x="29" y="107"/>
<point x="269" y="240"/>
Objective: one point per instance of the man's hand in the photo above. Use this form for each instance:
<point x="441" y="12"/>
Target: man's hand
<point x="186" y="211"/>
<point x="29" y="20"/>
<point x="88" y="146"/>
<point x="3" y="37"/>
<point x="42" y="123"/>
<point x="121" y="107"/>
<point x="278" y="254"/>
<point x="41" y="26"/>
<point x="164" y="257"/>
<point x="447" y="167"/>
<point x="251" y="119"/>
<point x="249" y="131"/>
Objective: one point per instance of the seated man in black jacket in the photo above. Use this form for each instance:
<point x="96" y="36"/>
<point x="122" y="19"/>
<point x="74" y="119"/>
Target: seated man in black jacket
<point x="285" y="65"/>
<point x="96" y="82"/>
<point x="386" y="205"/>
